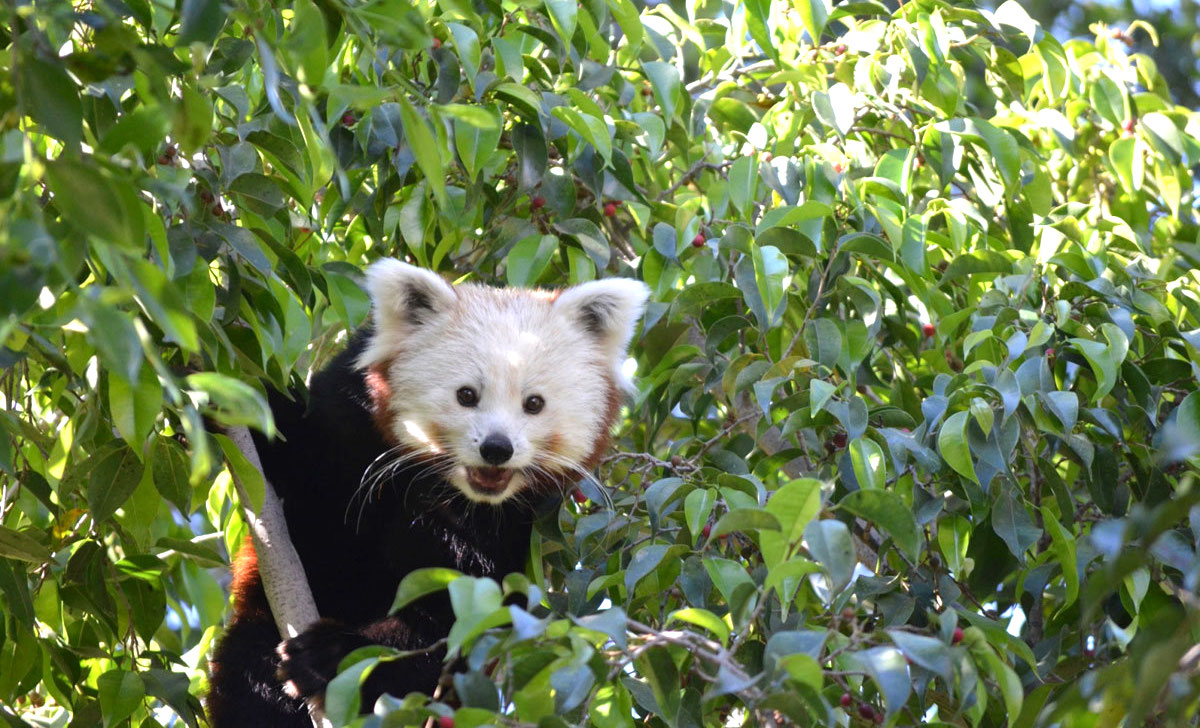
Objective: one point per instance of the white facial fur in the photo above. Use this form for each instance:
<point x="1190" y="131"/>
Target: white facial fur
<point x="506" y="344"/>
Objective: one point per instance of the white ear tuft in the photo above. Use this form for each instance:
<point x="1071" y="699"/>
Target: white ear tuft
<point x="403" y="296"/>
<point x="607" y="309"/>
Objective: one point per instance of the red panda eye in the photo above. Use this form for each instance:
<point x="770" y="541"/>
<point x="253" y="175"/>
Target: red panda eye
<point x="534" y="404"/>
<point x="467" y="397"/>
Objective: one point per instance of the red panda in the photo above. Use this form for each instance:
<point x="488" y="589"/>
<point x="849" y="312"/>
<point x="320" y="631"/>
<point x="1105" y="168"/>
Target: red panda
<point x="427" y="442"/>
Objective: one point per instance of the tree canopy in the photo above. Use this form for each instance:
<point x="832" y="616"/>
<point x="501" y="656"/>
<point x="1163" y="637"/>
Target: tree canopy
<point x="916" y="431"/>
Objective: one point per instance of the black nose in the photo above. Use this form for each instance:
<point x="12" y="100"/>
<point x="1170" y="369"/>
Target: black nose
<point x="496" y="449"/>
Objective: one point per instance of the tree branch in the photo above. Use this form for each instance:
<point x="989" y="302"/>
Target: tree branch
<point x="279" y="565"/>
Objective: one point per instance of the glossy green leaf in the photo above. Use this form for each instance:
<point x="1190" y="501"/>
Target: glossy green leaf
<point x="952" y="444"/>
<point x="886" y="510"/>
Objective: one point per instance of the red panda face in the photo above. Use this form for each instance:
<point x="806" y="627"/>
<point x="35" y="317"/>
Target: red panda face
<point x="501" y="389"/>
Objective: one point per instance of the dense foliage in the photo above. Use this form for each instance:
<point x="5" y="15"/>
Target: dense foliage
<point x="916" y="433"/>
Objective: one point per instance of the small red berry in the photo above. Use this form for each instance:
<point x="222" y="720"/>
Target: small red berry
<point x="767" y="156"/>
<point x="866" y="711"/>
<point x="839" y="440"/>
<point x="846" y="700"/>
<point x="698" y="241"/>
<point x="437" y="43"/>
<point x="537" y="202"/>
<point x="1050" y="353"/>
<point x="928" y="330"/>
<point x="839" y="167"/>
<point x="610" y="210"/>
<point x="164" y="159"/>
<point x="446" y="721"/>
<point x="646" y="91"/>
<point x="704" y="532"/>
<point x="348" y="119"/>
<point x="1128" y="126"/>
<point x="919" y="162"/>
<point x="840" y="49"/>
<point x="957" y="637"/>
<point x="579" y="497"/>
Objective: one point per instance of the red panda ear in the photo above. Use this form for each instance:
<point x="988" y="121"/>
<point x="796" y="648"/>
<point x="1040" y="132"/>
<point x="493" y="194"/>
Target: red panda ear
<point x="404" y="296"/>
<point x="607" y="309"/>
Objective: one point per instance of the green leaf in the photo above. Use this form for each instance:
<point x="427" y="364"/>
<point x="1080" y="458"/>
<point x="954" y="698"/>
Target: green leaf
<point x="701" y="618"/>
<point x="466" y="42"/>
<point x="952" y="444"/>
<point x="135" y="408"/>
<point x="823" y="339"/>
<point x="1011" y="522"/>
<point x="830" y="544"/>
<point x="343" y="695"/>
<point x="745" y="519"/>
<point x="1063" y="545"/>
<point x="814" y="14"/>
<point x="528" y="260"/>
<point x="20" y="545"/>
<point x="757" y="16"/>
<point x="795" y="504"/>
<point x="590" y="238"/>
<point x="743" y="182"/>
<point x="232" y="402"/>
<point x="52" y="98"/>
<point x="668" y="90"/>
<point x="1104" y="368"/>
<point x="593" y="130"/>
<point x="886" y="510"/>
<point x="121" y="692"/>
<point x="976" y="262"/>
<point x="819" y="392"/>
<point x="770" y="272"/>
<point x="887" y="668"/>
<point x="928" y="652"/>
<point x="697" y="507"/>
<point x="645" y="560"/>
<point x="113" y="480"/>
<point x="563" y="17"/>
<point x="1108" y="100"/>
<point x="200" y="21"/>
<point x="424" y="147"/>
<point x="626" y="15"/>
<point x="477" y="606"/>
<point x="655" y="664"/>
<point x="306" y="42"/>
<point x="250" y="478"/>
<point x="870" y="466"/>
<point x="475" y="145"/>
<point x="421" y="582"/>
<point x="95" y="203"/>
<point x="1164" y="135"/>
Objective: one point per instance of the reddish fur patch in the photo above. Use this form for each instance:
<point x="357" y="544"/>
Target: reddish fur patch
<point x="379" y="389"/>
<point x="611" y="409"/>
<point x="249" y="599"/>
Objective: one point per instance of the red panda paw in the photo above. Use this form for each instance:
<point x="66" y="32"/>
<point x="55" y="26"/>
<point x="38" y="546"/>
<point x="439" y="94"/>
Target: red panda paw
<point x="308" y="661"/>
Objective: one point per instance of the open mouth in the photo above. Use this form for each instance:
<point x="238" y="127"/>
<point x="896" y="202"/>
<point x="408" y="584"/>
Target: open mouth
<point x="489" y="480"/>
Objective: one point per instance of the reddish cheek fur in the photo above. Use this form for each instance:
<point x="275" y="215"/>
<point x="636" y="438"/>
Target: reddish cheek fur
<point x="612" y="406"/>
<point x="379" y="389"/>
